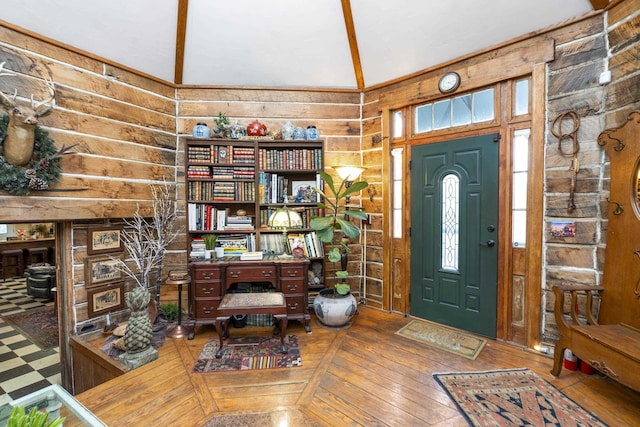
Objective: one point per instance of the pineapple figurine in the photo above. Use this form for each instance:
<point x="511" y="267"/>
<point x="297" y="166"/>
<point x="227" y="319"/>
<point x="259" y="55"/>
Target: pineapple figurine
<point x="137" y="337"/>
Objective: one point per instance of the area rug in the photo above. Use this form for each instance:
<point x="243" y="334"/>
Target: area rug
<point x="39" y="325"/>
<point x="245" y="353"/>
<point x="443" y="337"/>
<point x="517" y="397"/>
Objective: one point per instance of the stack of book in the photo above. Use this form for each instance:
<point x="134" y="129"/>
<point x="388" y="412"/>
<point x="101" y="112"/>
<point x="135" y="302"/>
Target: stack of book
<point x="237" y="222"/>
<point x="197" y="248"/>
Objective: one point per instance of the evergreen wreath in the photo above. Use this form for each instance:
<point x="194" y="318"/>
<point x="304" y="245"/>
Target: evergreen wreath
<point x="42" y="170"/>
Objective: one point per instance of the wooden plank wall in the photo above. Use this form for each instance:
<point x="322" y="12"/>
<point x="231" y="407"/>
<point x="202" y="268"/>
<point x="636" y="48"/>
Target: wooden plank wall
<point x="122" y="126"/>
<point x="336" y="114"/>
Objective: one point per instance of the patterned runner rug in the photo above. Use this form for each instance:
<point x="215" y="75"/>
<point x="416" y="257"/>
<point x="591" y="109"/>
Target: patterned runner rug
<point x="39" y="325"/>
<point x="244" y="353"/>
<point x="443" y="337"/>
<point x="517" y="397"/>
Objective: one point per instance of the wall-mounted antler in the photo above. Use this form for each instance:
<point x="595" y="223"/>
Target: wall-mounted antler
<point x="18" y="144"/>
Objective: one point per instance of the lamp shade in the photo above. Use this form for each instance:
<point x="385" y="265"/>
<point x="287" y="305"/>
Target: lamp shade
<point x="349" y="173"/>
<point x="283" y="219"/>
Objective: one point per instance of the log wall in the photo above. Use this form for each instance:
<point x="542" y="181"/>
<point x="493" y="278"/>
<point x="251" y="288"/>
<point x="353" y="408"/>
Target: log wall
<point x="610" y="41"/>
<point x="123" y="132"/>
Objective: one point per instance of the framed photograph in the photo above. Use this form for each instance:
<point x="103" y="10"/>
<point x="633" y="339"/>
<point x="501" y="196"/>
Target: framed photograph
<point x="104" y="299"/>
<point x="103" y="240"/>
<point x="101" y="270"/>
<point x="303" y="192"/>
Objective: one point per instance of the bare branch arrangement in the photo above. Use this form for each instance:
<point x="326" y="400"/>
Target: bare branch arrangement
<point x="146" y="240"/>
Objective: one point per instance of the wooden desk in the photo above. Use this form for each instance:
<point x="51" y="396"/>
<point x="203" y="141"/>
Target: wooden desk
<point x="211" y="280"/>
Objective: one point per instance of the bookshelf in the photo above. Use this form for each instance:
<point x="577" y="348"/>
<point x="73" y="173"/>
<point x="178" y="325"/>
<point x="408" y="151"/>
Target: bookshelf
<point x="234" y="185"/>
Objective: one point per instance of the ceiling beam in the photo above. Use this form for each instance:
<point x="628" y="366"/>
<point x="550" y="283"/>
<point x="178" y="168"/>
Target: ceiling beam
<point x="599" y="4"/>
<point x="181" y="35"/>
<point x="353" y="43"/>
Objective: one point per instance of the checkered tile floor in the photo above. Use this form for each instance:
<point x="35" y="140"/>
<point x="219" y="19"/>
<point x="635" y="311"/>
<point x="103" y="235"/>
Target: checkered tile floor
<point x="24" y="367"/>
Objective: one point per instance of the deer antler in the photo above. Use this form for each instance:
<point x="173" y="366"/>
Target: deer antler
<point x="9" y="102"/>
<point x="36" y="105"/>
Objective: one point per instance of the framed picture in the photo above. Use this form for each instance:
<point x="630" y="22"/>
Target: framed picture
<point x="303" y="192"/>
<point x="102" y="240"/>
<point x="101" y="270"/>
<point x="103" y="299"/>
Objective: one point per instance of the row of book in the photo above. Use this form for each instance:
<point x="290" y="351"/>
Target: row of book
<point x="290" y="159"/>
<point x="274" y="188"/>
<point x="276" y="243"/>
<point x="270" y="244"/>
<point x="221" y="191"/>
<point x="220" y="154"/>
<point x="221" y="172"/>
<point x="204" y="217"/>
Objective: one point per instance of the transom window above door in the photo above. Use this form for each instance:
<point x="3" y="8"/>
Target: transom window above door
<point x="474" y="107"/>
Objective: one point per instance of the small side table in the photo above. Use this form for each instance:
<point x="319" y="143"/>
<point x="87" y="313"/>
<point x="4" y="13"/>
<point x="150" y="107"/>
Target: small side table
<point x="179" y="278"/>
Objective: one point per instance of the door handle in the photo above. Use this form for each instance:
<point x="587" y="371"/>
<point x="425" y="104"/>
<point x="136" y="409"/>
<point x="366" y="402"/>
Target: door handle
<point x="489" y="243"/>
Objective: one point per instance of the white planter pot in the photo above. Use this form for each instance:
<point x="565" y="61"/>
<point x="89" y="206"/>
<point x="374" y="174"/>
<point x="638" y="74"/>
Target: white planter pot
<point x="334" y="312"/>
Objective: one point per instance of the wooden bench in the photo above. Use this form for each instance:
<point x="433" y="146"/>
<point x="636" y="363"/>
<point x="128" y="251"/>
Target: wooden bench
<point x="251" y="303"/>
<point x="614" y="350"/>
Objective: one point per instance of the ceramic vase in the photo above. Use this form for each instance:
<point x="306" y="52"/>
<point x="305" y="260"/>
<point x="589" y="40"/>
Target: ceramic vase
<point x="311" y="133"/>
<point x="201" y="131"/>
<point x="287" y="131"/>
<point x="299" y="134"/>
<point x="334" y="311"/>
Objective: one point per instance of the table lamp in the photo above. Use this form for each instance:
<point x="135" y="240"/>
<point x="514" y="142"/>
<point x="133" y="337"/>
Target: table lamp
<point x="285" y="219"/>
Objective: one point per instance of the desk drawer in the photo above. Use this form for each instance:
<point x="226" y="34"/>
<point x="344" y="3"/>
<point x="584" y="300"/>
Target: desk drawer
<point x="291" y="272"/>
<point x="292" y="286"/>
<point x="296" y="305"/>
<point x="207" y="290"/>
<point x="207" y="274"/>
<point x="206" y="308"/>
<point x="251" y="274"/>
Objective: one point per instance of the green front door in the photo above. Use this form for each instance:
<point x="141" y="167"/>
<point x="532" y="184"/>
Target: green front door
<point x="454" y="233"/>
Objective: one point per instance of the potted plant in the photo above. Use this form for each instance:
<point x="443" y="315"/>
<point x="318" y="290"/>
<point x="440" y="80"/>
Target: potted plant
<point x="35" y="418"/>
<point x="209" y="245"/>
<point x="335" y="307"/>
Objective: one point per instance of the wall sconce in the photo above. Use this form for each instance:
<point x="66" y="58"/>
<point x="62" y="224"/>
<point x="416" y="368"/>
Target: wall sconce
<point x="371" y="189"/>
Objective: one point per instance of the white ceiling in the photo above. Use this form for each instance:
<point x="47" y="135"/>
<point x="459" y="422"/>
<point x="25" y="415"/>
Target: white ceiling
<point x="286" y="43"/>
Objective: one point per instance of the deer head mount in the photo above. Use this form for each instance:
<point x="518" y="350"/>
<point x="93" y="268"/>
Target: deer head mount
<point x="18" y="145"/>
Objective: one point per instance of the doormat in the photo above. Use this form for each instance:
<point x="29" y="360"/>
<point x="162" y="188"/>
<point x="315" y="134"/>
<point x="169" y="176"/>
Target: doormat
<point x="39" y="325"/>
<point x="515" y="397"/>
<point x="443" y="337"/>
<point x="245" y="353"/>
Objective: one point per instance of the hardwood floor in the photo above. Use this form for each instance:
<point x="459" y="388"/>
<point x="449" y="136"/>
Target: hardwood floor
<point x="365" y="375"/>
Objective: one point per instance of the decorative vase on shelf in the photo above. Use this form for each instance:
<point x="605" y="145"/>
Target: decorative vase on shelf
<point x="256" y="128"/>
<point x="312" y="133"/>
<point x="238" y="131"/>
<point x="299" y="134"/>
<point x="201" y="131"/>
<point x="287" y="131"/>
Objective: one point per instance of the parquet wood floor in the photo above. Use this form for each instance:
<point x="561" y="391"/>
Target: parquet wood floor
<point x="365" y="375"/>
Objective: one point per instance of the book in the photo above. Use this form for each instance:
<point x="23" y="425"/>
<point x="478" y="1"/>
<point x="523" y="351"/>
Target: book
<point x="251" y="256"/>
